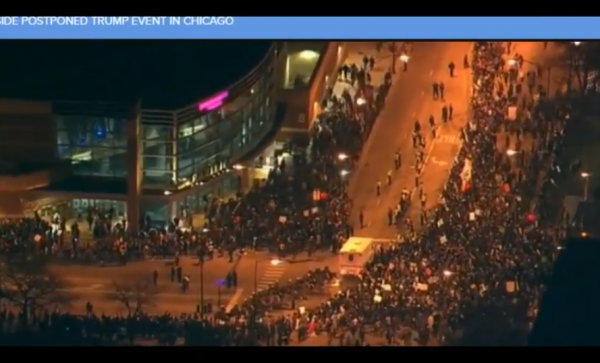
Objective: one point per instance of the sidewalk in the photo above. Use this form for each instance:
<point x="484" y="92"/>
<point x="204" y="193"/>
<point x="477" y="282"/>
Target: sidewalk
<point x="356" y="53"/>
<point x="553" y="80"/>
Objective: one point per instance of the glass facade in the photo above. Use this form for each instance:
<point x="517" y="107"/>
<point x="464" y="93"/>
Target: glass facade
<point x="96" y="146"/>
<point x="207" y="142"/>
<point x="80" y="207"/>
<point x="189" y="145"/>
<point x="195" y="202"/>
<point x="173" y="148"/>
<point x="158" y="154"/>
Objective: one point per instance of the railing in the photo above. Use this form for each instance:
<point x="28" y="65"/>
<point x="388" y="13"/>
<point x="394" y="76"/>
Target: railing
<point x="158" y="117"/>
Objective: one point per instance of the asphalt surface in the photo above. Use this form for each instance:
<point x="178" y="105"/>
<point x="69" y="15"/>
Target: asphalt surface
<point x="394" y="129"/>
<point x="96" y="284"/>
<point x="411" y="99"/>
<point x="267" y="274"/>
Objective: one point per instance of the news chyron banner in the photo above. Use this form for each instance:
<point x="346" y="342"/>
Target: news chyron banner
<point x="300" y="28"/>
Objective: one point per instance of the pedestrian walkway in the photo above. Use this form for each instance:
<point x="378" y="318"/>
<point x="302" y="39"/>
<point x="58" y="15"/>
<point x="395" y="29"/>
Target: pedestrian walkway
<point x="355" y="54"/>
<point x="271" y="276"/>
<point x="553" y="79"/>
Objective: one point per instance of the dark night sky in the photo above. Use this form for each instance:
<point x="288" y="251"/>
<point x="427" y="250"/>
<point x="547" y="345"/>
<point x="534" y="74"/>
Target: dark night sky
<point x="168" y="74"/>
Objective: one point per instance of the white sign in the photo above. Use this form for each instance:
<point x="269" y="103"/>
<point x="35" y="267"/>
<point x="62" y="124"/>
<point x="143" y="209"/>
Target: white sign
<point x="512" y="113"/>
<point x="421" y="287"/>
<point x="510" y="286"/>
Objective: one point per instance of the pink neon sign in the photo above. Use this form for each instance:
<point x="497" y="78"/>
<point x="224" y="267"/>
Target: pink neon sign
<point x="214" y="102"/>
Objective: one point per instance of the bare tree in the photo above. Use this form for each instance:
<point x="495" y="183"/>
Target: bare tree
<point x="27" y="284"/>
<point x="134" y="296"/>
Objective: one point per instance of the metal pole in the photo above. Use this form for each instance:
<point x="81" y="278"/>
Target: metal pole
<point x="219" y="296"/>
<point x="255" y="297"/>
<point x="585" y="188"/>
<point x="548" y="82"/>
<point x="202" y="286"/>
<point x="255" y="277"/>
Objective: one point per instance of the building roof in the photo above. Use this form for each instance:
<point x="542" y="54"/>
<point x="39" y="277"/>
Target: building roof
<point x="167" y="75"/>
<point x="568" y="313"/>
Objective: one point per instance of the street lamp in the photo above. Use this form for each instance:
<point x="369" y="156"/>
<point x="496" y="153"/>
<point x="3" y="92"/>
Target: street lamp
<point x="586" y="184"/>
<point x="511" y="152"/>
<point x="404" y="59"/>
<point x="360" y="101"/>
<point x="447" y="273"/>
<point x="576" y="44"/>
<point x="342" y="157"/>
<point x="201" y="263"/>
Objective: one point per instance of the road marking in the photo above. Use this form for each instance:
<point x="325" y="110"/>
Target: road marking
<point x="427" y="157"/>
<point x="435" y="161"/>
<point x="271" y="276"/>
<point x="448" y="139"/>
<point x="234" y="299"/>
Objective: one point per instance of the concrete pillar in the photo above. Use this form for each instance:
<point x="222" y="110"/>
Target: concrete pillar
<point x="172" y="212"/>
<point x="134" y="173"/>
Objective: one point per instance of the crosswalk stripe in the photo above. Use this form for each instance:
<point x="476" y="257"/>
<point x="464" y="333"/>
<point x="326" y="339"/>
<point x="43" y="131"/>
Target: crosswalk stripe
<point x="271" y="276"/>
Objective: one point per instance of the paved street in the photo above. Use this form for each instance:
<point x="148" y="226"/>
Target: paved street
<point x="411" y="99"/>
<point x="95" y="283"/>
<point x="405" y="104"/>
<point x="267" y="274"/>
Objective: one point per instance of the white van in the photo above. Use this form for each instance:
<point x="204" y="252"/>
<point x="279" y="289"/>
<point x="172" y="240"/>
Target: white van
<point x="354" y="255"/>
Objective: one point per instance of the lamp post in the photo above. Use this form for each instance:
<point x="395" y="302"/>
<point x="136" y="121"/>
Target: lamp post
<point x="201" y="263"/>
<point x="586" y="184"/>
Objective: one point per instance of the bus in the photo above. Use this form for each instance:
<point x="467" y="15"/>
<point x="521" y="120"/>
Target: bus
<point x="354" y="256"/>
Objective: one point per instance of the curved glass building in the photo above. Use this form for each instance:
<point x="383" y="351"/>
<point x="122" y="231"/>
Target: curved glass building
<point x="140" y="161"/>
<point x="146" y="157"/>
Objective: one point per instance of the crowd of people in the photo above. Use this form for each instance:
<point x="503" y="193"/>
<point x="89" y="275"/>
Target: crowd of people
<point x="473" y="275"/>
<point x="302" y="205"/>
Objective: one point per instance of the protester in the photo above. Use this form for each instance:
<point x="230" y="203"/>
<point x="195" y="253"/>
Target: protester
<point x="475" y="270"/>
